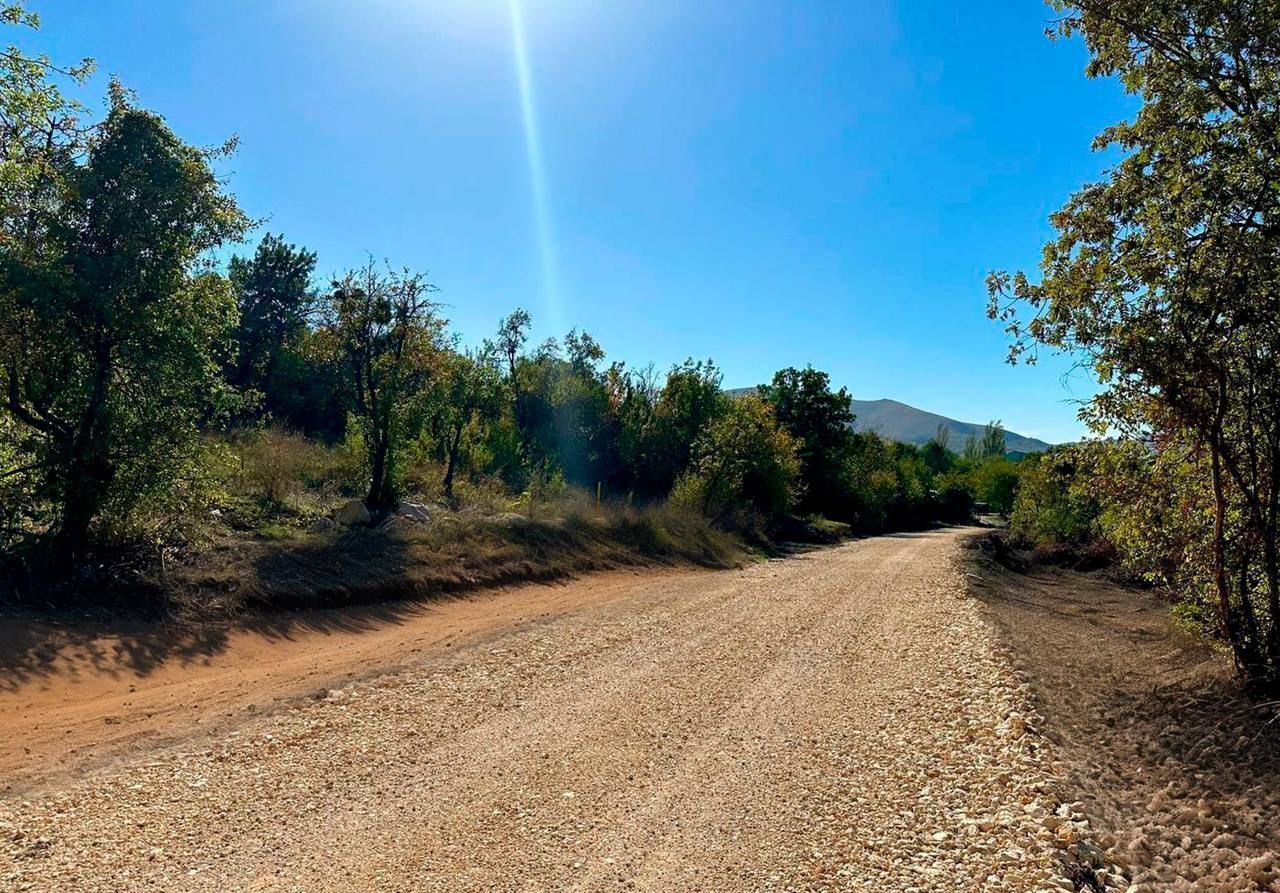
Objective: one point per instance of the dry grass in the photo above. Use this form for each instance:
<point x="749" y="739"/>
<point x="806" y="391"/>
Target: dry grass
<point x="455" y="552"/>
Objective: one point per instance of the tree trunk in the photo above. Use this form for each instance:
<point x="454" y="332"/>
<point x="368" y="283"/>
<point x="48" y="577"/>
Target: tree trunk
<point x="1244" y="651"/>
<point x="454" y="447"/>
<point x="379" y="486"/>
<point x="89" y="469"/>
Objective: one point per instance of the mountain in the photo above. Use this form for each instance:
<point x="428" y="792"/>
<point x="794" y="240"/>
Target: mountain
<point x="906" y="424"/>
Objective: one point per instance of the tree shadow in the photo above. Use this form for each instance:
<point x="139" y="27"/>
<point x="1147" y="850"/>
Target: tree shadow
<point x="339" y="585"/>
<point x="345" y="582"/>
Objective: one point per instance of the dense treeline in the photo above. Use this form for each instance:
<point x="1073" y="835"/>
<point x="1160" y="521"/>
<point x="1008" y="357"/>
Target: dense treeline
<point x="1165" y="279"/>
<point x="142" y="380"/>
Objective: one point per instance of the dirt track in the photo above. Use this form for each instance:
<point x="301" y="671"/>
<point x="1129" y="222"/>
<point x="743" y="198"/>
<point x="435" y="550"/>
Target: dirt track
<point x="835" y="721"/>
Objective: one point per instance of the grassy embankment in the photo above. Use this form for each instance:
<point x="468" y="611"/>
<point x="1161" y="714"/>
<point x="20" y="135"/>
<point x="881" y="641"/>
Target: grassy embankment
<point x="256" y="541"/>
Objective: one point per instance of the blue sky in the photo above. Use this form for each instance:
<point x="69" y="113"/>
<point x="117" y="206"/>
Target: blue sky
<point x="766" y="183"/>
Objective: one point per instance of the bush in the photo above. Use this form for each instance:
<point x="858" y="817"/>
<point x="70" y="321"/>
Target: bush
<point x="745" y="464"/>
<point x="1050" y="509"/>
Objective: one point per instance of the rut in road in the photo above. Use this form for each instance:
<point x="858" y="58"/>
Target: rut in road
<point x="839" y="720"/>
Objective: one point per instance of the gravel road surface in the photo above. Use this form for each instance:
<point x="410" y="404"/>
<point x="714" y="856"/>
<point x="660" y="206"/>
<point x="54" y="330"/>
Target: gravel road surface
<point x="838" y="720"/>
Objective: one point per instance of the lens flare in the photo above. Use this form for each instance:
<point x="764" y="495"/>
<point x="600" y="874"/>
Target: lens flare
<point x="537" y="175"/>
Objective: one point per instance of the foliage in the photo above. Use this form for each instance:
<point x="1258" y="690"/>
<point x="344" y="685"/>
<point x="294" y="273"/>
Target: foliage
<point x="275" y="296"/>
<point x="468" y="399"/>
<point x="1051" y="506"/>
<point x="110" y="325"/>
<point x="744" y="463"/>
<point x="1163" y="276"/>
<point x="388" y="338"/>
<point x="990" y="445"/>
<point x="994" y="481"/>
<point x="42" y="135"/>
<point x="821" y="422"/>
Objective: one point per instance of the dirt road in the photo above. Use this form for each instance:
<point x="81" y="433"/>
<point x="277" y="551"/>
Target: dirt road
<point x="839" y="720"/>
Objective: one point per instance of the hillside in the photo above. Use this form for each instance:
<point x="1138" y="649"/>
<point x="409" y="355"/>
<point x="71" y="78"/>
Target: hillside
<point x="906" y="424"/>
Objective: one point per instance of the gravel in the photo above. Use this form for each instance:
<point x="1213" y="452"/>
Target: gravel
<point x="840" y="720"/>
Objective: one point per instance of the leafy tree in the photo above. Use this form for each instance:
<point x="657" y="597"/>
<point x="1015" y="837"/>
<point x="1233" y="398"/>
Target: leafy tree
<point x="513" y="332"/>
<point x="1049" y="507"/>
<point x="991" y="443"/>
<point x="110" y="324"/>
<point x="307" y="390"/>
<point x="1163" y="276"/>
<point x="994" y="480"/>
<point x="821" y="422"/>
<point x="690" y="400"/>
<point x="470" y="397"/>
<point x="385" y="329"/>
<point x="745" y="462"/>
<point x="935" y="453"/>
<point x="873" y="481"/>
<point x="275" y="296"/>
<point x="42" y="134"/>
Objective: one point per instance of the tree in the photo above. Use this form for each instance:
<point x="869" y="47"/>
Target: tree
<point x="386" y="331"/>
<point x="821" y="422"/>
<point x="513" y="332"/>
<point x="470" y="396"/>
<point x="1050" y="507"/>
<point x="745" y="461"/>
<point x="1164" y="275"/>
<point x="995" y="481"/>
<point x="275" y="296"/>
<point x="690" y="400"/>
<point x="110" y="323"/>
<point x="990" y="444"/>
<point x="937" y="457"/>
<point x="42" y="135"/>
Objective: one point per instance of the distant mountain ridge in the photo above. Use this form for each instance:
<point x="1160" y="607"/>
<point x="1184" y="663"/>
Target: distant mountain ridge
<point x="897" y="421"/>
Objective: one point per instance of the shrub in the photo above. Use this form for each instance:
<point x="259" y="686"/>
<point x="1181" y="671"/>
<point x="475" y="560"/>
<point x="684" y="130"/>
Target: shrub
<point x="745" y="463"/>
<point x="1050" y="509"/>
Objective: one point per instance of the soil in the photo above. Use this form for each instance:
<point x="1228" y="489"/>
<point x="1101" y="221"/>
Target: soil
<point x="837" y="720"/>
<point x="75" y="697"/>
<point x="1178" y="773"/>
<point x="850" y="718"/>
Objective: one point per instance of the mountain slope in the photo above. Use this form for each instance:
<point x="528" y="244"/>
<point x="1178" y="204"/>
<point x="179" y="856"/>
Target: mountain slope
<point x="906" y="424"/>
<point x="897" y="421"/>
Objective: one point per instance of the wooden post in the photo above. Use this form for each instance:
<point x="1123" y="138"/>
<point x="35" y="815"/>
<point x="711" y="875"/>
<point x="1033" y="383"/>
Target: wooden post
<point x="598" y="485"/>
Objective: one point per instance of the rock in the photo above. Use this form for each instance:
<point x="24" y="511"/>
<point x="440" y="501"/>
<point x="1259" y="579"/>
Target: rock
<point x="415" y="511"/>
<point x="352" y="513"/>
<point x="319" y="525"/>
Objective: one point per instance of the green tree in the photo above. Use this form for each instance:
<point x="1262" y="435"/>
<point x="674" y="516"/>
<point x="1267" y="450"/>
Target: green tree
<point x="275" y="296"/>
<point x="1050" y="507"/>
<point x="111" y="324"/>
<point x="385" y="329"/>
<point x="1163" y="276"/>
<point x="994" y="480"/>
<point x="691" y="399"/>
<point x="744" y="461"/>
<point x="469" y="399"/>
<point x="935" y="453"/>
<point x="991" y="443"/>
<point x="821" y="422"/>
<point x="42" y="133"/>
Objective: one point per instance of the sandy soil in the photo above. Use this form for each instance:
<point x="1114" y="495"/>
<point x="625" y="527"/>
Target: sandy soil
<point x="1177" y="774"/>
<point x="75" y="699"/>
<point x="841" y="720"/>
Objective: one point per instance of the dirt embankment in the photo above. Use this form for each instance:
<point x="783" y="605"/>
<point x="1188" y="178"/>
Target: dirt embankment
<point x="1179" y="774"/>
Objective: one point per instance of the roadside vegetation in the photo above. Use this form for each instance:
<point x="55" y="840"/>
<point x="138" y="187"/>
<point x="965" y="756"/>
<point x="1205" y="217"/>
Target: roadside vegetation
<point x="1164" y="278"/>
<point x="225" y="434"/>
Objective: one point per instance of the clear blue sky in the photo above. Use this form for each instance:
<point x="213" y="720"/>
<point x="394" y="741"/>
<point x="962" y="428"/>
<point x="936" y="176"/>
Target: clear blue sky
<point x="766" y="183"/>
